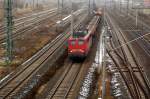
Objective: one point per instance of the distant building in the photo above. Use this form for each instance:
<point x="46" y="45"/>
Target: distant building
<point x="147" y="5"/>
<point x="1" y="4"/>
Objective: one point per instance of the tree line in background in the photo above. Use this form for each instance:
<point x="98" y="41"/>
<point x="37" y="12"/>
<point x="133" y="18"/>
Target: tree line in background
<point x="16" y="3"/>
<point x="29" y="3"/>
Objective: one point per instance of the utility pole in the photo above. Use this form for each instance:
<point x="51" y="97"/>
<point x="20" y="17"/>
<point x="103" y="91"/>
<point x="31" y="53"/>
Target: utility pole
<point x="127" y="7"/>
<point x="120" y="5"/>
<point x="72" y="21"/>
<point x="58" y="9"/>
<point x="8" y="30"/>
<point x="58" y="6"/>
<point x="89" y="7"/>
<point x="33" y="4"/>
<point x="37" y="4"/>
<point x="62" y="6"/>
<point x="114" y="6"/>
<point x="72" y="17"/>
<point x="111" y="6"/>
<point x="136" y="20"/>
<point x="94" y="4"/>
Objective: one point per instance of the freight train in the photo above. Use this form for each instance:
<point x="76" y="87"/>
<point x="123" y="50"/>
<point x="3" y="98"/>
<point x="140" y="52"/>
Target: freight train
<point x="79" y="44"/>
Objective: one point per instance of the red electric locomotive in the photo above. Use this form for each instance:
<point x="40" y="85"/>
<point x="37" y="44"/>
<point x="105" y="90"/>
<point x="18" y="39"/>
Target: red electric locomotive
<point x="80" y="42"/>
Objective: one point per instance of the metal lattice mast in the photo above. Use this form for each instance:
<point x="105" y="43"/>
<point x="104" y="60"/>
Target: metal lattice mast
<point x="62" y="4"/>
<point x="58" y="3"/>
<point x="94" y="5"/>
<point x="8" y="29"/>
<point x="72" y="18"/>
<point x="89" y="7"/>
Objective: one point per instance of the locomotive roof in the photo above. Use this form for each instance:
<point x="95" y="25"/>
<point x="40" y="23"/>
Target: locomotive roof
<point x="79" y="34"/>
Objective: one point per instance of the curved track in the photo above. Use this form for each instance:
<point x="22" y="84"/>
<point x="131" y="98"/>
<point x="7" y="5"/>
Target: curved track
<point x="139" y="80"/>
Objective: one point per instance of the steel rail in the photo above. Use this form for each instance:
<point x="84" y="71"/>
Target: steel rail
<point x="145" y="45"/>
<point x="73" y="71"/>
<point x="37" y="55"/>
<point x="22" y="75"/>
<point x="29" y="71"/>
<point x="23" y="20"/>
<point x="61" y="79"/>
<point x="131" y="73"/>
<point x="136" y="79"/>
<point x="27" y="27"/>
<point x="139" y="83"/>
<point x="112" y="31"/>
<point x="30" y="22"/>
<point x="131" y="91"/>
<point x="136" y="64"/>
<point x="31" y="26"/>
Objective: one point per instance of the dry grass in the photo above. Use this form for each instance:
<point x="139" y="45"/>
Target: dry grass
<point x="30" y="43"/>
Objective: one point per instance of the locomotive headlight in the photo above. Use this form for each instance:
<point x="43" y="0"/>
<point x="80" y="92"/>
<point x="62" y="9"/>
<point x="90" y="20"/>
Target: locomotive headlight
<point x="81" y="42"/>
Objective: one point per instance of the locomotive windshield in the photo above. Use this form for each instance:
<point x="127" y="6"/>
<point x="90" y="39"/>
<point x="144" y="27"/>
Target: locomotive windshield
<point x="79" y="34"/>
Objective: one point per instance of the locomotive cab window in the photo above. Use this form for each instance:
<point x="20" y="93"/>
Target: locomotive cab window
<point x="79" y="34"/>
<point x="73" y="42"/>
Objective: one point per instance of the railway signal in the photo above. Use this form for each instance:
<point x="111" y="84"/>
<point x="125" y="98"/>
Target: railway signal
<point x="8" y="30"/>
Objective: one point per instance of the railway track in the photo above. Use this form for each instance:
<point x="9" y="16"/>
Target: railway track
<point x="140" y="83"/>
<point x="142" y="23"/>
<point x="142" y="18"/>
<point x="28" y="23"/>
<point x="142" y="42"/>
<point x="29" y="70"/>
<point x="68" y="83"/>
<point x="63" y="87"/>
<point x="136" y="32"/>
<point x="12" y="84"/>
<point x="141" y="47"/>
<point x="27" y="19"/>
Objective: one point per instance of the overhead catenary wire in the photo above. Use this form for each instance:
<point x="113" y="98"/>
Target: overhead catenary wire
<point x="131" y="41"/>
